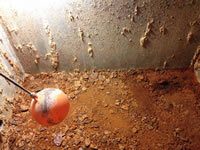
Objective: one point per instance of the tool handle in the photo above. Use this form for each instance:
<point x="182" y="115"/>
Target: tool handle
<point x="16" y="84"/>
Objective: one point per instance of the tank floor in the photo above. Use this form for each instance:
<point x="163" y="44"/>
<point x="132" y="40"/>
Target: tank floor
<point x="114" y="110"/>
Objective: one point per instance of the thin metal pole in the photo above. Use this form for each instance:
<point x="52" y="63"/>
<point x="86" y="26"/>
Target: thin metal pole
<point x="16" y="84"/>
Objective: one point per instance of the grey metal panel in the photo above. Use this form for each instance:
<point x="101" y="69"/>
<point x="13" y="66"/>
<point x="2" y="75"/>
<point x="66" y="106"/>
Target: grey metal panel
<point x="10" y="66"/>
<point x="102" y="23"/>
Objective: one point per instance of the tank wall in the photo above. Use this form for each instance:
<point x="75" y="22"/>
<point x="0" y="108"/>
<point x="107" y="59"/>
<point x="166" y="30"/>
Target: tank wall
<point x="112" y="34"/>
<point x="10" y="66"/>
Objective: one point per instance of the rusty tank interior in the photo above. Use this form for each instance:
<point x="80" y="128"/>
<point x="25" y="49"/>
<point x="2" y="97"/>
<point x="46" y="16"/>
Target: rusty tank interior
<point x="131" y="71"/>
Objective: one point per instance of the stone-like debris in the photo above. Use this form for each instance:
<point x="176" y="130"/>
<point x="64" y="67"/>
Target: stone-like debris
<point x="110" y="110"/>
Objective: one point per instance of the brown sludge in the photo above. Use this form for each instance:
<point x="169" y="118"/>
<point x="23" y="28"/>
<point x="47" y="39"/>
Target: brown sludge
<point x="134" y="110"/>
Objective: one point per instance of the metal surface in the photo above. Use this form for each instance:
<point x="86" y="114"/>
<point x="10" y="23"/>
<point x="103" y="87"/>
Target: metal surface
<point x="10" y="66"/>
<point x="111" y="31"/>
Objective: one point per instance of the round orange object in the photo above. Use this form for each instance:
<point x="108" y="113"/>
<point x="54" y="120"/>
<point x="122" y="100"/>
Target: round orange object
<point x="50" y="107"/>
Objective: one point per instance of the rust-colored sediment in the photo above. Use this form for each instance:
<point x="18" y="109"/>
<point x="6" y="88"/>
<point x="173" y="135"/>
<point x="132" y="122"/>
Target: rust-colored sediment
<point x="114" y="110"/>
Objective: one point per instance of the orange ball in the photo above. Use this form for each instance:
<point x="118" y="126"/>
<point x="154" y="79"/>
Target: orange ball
<point x="50" y="107"/>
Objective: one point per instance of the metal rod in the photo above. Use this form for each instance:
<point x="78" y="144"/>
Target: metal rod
<point x="16" y="84"/>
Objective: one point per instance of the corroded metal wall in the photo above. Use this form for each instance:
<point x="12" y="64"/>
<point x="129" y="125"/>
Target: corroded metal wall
<point x="85" y="34"/>
<point x="10" y="66"/>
